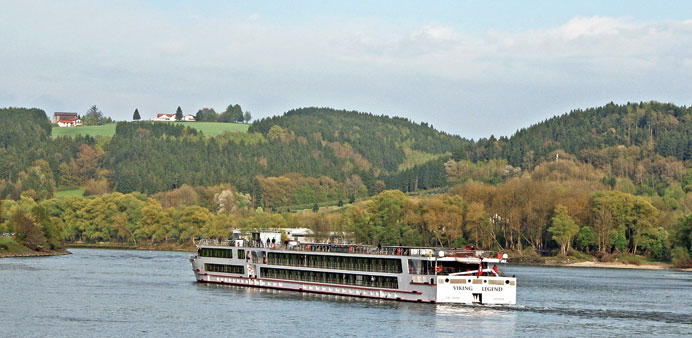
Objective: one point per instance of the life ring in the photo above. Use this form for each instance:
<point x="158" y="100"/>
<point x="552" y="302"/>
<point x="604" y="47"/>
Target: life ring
<point x="398" y="251"/>
<point x="307" y="247"/>
<point x="438" y="269"/>
<point x="350" y="249"/>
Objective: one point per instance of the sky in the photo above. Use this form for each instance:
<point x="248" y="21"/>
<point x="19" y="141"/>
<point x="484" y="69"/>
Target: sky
<point x="470" y="68"/>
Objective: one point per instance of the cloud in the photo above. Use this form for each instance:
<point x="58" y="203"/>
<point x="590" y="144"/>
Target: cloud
<point x="70" y="56"/>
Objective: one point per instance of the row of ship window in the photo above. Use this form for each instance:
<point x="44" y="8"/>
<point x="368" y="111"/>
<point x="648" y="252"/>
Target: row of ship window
<point x="336" y="262"/>
<point x="239" y="269"/>
<point x="387" y="265"/>
<point x="385" y="282"/>
<point x="220" y="253"/>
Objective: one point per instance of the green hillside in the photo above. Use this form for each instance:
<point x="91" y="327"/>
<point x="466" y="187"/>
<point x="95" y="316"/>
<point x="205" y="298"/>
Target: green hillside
<point x="659" y="128"/>
<point x="383" y="141"/>
<point x="108" y="130"/>
<point x="645" y="146"/>
<point x="215" y="128"/>
<point x="349" y="148"/>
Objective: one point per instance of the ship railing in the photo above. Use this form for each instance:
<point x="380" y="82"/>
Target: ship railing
<point x="360" y="249"/>
<point x="214" y="242"/>
<point x="475" y="272"/>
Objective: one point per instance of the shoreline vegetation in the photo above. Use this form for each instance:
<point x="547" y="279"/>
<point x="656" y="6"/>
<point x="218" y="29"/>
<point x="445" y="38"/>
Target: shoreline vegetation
<point x="7" y="254"/>
<point x="152" y="247"/>
<point x="572" y="262"/>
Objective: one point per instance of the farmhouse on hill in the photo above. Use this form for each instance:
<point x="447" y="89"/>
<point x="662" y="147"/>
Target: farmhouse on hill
<point x="171" y="117"/>
<point x="63" y="119"/>
<point x="70" y="123"/>
<point x="57" y="116"/>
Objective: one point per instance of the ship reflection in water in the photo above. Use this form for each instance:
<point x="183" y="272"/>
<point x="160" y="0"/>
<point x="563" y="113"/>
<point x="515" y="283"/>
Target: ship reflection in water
<point x="444" y="319"/>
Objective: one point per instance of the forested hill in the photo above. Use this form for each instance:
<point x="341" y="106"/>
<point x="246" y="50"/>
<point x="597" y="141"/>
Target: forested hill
<point x="318" y="154"/>
<point x="29" y="158"/>
<point x="385" y="142"/>
<point x="345" y="150"/>
<point x="652" y="128"/>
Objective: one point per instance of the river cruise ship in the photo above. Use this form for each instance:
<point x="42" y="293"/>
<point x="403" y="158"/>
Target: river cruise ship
<point x="415" y="274"/>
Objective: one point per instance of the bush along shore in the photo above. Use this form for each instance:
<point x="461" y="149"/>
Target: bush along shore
<point x="577" y="259"/>
<point x="187" y="246"/>
<point x="10" y="248"/>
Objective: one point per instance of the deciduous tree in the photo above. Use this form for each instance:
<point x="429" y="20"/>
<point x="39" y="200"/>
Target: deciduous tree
<point x="564" y="228"/>
<point x="28" y="232"/>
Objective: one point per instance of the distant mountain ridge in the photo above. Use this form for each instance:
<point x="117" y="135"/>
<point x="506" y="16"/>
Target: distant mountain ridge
<point x="382" y="140"/>
<point x="641" y="141"/>
<point x="660" y="127"/>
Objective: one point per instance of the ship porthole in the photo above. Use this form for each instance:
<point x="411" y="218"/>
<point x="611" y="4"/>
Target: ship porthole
<point x="485" y="281"/>
<point x="469" y="281"/>
<point x="507" y="281"/>
<point x="446" y="280"/>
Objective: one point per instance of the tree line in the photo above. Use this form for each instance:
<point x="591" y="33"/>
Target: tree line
<point x="523" y="214"/>
<point x="233" y="113"/>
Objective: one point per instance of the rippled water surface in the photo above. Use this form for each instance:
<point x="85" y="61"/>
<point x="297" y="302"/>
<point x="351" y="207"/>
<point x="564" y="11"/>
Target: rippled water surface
<point x="139" y="293"/>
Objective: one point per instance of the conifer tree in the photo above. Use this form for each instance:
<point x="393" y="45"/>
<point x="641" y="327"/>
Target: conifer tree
<point x="136" y="116"/>
<point x="178" y="114"/>
<point x="93" y="116"/>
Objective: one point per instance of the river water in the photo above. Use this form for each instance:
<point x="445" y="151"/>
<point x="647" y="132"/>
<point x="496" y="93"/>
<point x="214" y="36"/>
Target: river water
<point x="120" y="293"/>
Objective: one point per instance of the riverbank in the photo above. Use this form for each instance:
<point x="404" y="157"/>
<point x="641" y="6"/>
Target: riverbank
<point x="11" y="248"/>
<point x="6" y="254"/>
<point x="621" y="265"/>
<point x="150" y="247"/>
<point x="584" y="261"/>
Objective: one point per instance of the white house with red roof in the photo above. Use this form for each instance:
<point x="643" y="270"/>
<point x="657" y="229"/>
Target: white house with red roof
<point x="171" y="117"/>
<point x="163" y="117"/>
<point x="73" y="122"/>
<point x="66" y="119"/>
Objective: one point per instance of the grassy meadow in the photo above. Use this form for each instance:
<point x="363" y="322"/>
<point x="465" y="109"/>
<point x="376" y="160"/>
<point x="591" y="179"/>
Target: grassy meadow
<point x="215" y="128"/>
<point x="70" y="193"/>
<point x="108" y="130"/>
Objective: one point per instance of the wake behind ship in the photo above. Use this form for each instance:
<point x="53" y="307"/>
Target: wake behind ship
<point x="415" y="274"/>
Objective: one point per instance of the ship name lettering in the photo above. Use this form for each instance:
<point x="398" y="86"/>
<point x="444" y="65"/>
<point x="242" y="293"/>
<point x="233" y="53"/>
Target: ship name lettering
<point x="463" y="288"/>
<point x="492" y="288"/>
